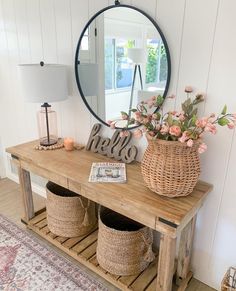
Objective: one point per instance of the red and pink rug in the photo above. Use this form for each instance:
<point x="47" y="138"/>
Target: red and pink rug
<point x="27" y="264"/>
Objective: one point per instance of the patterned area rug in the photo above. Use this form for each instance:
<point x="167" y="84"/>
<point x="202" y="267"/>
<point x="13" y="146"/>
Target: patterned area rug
<point x="27" y="264"/>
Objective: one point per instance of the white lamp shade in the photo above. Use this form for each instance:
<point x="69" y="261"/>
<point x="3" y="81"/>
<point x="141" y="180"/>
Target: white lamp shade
<point x="47" y="83"/>
<point x="88" y="77"/>
<point x="136" y="55"/>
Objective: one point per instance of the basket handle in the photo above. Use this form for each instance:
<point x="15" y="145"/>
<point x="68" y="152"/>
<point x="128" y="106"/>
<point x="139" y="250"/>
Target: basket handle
<point x="86" y="221"/>
<point x="149" y="255"/>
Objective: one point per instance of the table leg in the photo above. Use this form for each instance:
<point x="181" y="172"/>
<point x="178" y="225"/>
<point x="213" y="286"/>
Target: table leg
<point x="166" y="263"/>
<point x="184" y="254"/>
<point x="25" y="183"/>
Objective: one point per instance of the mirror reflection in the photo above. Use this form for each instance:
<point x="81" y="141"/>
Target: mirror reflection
<point x="122" y="60"/>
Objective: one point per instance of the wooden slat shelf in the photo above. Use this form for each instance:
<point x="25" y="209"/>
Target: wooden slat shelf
<point x="172" y="218"/>
<point x="83" y="249"/>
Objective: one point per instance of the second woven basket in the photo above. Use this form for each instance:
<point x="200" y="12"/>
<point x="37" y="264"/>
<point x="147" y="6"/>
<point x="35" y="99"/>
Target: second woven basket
<point x="124" y="246"/>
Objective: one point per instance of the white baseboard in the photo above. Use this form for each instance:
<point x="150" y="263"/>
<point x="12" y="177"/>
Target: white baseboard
<point x="36" y="188"/>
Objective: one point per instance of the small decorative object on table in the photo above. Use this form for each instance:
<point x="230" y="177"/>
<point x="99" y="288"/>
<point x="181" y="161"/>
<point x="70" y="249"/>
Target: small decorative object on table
<point x="56" y="146"/>
<point x="171" y="165"/>
<point x="229" y="281"/>
<point x="116" y="147"/>
<point x="69" y="144"/>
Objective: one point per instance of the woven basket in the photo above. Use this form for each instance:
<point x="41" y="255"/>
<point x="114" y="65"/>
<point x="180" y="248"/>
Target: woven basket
<point x="229" y="281"/>
<point x="68" y="214"/>
<point x="124" y="246"/>
<point x="170" y="168"/>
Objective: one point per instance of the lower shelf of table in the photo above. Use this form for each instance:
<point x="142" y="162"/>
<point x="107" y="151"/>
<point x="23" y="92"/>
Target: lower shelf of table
<point x="83" y="249"/>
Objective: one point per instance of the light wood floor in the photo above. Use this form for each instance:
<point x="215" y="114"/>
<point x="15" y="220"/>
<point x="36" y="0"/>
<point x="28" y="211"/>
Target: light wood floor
<point x="11" y="207"/>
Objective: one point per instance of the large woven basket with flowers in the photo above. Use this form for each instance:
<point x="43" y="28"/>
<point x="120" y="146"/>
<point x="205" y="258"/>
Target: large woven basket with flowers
<point x="170" y="168"/>
<point x="170" y="165"/>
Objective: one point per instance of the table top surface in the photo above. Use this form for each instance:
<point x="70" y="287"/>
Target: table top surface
<point x="76" y="165"/>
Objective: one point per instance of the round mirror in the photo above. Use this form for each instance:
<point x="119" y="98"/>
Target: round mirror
<point x="122" y="58"/>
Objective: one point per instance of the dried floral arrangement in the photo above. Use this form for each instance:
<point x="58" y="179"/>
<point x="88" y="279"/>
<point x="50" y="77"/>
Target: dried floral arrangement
<point x="184" y="126"/>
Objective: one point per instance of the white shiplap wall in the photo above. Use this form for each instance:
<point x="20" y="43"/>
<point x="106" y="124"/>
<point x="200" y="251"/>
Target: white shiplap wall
<point x="202" y="45"/>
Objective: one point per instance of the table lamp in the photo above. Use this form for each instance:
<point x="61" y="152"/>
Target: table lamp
<point x="136" y="55"/>
<point x="43" y="83"/>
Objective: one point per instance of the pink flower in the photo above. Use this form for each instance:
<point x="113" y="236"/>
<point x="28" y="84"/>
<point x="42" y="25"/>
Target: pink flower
<point x="201" y="122"/>
<point x="144" y="129"/>
<point x="231" y="125"/>
<point x="178" y="114"/>
<point x="158" y="126"/>
<point x="145" y="120"/>
<point x="138" y="116"/>
<point x="113" y="125"/>
<point x="124" y="133"/>
<point x="175" y="130"/>
<point x="190" y="143"/>
<point x="210" y="128"/>
<point x="151" y="133"/>
<point x="164" y="129"/>
<point x="173" y="112"/>
<point x="109" y="122"/>
<point x="202" y="148"/>
<point x="150" y="103"/>
<point x="154" y="116"/>
<point x="184" y="137"/>
<point x="153" y="98"/>
<point x="138" y="133"/>
<point x="181" y="117"/>
<point x="200" y="97"/>
<point x="188" y="89"/>
<point x="201" y="135"/>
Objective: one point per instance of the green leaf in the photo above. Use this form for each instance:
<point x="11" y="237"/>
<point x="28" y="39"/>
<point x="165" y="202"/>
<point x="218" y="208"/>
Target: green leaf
<point x="123" y="113"/>
<point x="159" y="100"/>
<point x="158" y="115"/>
<point x="223" y="121"/>
<point x="193" y="120"/>
<point x="223" y="112"/>
<point x="190" y="109"/>
<point x="169" y="119"/>
<point x="194" y="112"/>
<point x="133" y="110"/>
<point x="176" y="122"/>
<point x="186" y="104"/>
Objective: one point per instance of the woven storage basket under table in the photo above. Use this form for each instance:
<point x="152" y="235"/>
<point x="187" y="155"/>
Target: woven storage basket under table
<point x="68" y="214"/>
<point x="170" y="168"/>
<point x="124" y="246"/>
<point x="229" y="281"/>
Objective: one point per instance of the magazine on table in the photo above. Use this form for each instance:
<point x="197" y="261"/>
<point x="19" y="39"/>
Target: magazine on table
<point x="108" y="172"/>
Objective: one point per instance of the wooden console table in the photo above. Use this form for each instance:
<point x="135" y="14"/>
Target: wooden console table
<point x="170" y="217"/>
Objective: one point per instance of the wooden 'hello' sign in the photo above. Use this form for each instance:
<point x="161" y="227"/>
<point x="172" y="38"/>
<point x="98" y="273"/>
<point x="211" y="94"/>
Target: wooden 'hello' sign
<point x="117" y="147"/>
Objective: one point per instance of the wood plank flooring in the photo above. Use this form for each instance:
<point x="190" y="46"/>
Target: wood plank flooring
<point x="11" y="206"/>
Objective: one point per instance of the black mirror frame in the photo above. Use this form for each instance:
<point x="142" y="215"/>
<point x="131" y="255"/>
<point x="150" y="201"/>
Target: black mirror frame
<point x="77" y="62"/>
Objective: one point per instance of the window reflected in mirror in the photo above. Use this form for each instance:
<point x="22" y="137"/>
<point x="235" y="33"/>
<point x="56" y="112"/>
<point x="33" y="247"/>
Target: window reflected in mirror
<point x="131" y="60"/>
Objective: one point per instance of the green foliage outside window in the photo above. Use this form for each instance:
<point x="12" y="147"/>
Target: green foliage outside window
<point x="152" y="64"/>
<point x="151" y="69"/>
<point x="163" y="65"/>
